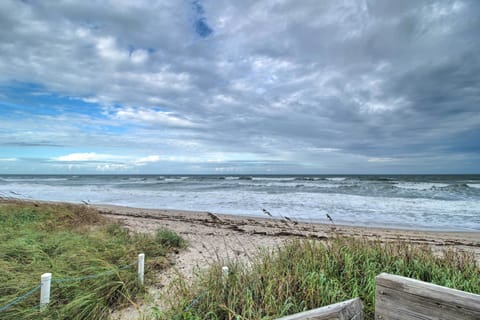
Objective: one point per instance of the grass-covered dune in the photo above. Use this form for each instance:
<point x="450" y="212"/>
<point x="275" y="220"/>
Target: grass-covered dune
<point x="93" y="261"/>
<point x="307" y="274"/>
<point x="75" y="242"/>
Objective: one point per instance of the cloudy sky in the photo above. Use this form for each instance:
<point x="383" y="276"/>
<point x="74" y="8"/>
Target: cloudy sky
<point x="217" y="86"/>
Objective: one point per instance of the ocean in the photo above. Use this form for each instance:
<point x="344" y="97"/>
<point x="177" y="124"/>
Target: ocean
<point x="423" y="202"/>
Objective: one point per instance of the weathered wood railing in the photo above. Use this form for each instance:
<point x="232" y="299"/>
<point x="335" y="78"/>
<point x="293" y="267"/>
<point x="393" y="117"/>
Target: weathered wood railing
<point x="400" y="298"/>
<point x="346" y="310"/>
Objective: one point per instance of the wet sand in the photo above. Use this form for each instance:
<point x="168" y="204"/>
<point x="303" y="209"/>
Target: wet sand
<point x="215" y="230"/>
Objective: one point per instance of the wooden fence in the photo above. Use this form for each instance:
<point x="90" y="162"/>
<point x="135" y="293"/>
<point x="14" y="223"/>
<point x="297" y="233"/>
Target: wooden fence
<point x="401" y="298"/>
<point x="346" y="310"/>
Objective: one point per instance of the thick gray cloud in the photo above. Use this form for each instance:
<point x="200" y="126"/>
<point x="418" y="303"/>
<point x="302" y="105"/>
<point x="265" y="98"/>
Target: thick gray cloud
<point x="331" y="86"/>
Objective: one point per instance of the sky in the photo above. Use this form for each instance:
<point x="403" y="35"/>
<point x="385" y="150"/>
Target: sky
<point x="239" y="87"/>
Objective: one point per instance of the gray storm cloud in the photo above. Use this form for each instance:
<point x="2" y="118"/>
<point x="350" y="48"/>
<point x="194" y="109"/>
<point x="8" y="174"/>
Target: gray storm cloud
<point x="325" y="85"/>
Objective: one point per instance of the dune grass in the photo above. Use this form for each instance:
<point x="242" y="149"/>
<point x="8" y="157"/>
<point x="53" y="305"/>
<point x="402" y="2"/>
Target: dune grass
<point x="72" y="242"/>
<point x="307" y="274"/>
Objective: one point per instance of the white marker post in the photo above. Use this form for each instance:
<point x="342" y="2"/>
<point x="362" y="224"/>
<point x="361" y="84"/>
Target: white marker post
<point x="45" y="281"/>
<point x="224" y="278"/>
<point x="141" y="268"/>
<point x="224" y="273"/>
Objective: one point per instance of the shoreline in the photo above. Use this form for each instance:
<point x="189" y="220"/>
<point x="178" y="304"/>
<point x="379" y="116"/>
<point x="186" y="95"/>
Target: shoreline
<point x="193" y="224"/>
<point x="275" y="226"/>
<point x="158" y="213"/>
<point x="219" y="235"/>
<point x="172" y="211"/>
<point x="407" y="202"/>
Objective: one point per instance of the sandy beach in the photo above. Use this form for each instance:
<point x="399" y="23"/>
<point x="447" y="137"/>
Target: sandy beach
<point x="213" y="236"/>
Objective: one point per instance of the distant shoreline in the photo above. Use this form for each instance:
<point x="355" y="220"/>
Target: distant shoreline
<point x="239" y="175"/>
<point x="410" y="202"/>
<point x="175" y="214"/>
<point x="244" y="217"/>
<point x="162" y="212"/>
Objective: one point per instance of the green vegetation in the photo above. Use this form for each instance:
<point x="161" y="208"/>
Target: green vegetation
<point x="72" y="242"/>
<point x="169" y="239"/>
<point x="307" y="274"/>
<point x="75" y="242"/>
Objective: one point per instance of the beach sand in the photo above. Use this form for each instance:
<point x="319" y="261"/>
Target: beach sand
<point x="218" y="236"/>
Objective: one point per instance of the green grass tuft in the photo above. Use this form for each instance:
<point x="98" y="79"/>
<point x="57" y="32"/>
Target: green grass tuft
<point x="169" y="239"/>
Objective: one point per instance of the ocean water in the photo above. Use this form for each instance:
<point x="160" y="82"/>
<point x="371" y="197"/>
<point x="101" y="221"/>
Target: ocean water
<point x="442" y="202"/>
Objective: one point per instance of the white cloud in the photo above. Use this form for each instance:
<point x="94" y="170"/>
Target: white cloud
<point x="89" y="156"/>
<point x="139" y="56"/>
<point x="105" y="162"/>
<point x="149" y="116"/>
<point x="112" y="167"/>
<point x="107" y="49"/>
<point x="8" y="159"/>
<point x="326" y="150"/>
<point x="382" y="160"/>
<point x="147" y="159"/>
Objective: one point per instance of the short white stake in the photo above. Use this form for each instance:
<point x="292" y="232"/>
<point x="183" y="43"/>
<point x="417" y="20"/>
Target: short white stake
<point x="224" y="273"/>
<point x="45" y="281"/>
<point x="141" y="267"/>
<point x="224" y="278"/>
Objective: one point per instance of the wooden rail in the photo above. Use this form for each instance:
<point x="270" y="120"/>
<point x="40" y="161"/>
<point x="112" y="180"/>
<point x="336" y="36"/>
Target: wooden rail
<point x="400" y="298"/>
<point x="346" y="310"/>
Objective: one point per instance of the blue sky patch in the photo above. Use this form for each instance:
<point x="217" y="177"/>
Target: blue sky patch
<point x="201" y="26"/>
<point x="32" y="99"/>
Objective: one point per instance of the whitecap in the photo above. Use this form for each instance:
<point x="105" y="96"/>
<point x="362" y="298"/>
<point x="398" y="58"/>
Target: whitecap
<point x="336" y="179"/>
<point x="420" y="185"/>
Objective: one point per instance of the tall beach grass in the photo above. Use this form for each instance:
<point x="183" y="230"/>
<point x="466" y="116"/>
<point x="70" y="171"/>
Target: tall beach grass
<point x="306" y="274"/>
<point x="94" y="257"/>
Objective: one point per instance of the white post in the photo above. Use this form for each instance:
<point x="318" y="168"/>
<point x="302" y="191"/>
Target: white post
<point x="224" y="273"/>
<point x="45" y="281"/>
<point x="141" y="267"/>
<point x="224" y="278"/>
